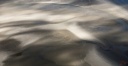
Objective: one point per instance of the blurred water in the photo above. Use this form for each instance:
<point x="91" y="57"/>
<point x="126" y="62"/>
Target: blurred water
<point x="63" y="32"/>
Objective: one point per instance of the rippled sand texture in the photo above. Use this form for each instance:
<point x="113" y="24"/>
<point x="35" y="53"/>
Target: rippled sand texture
<point x="63" y="33"/>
